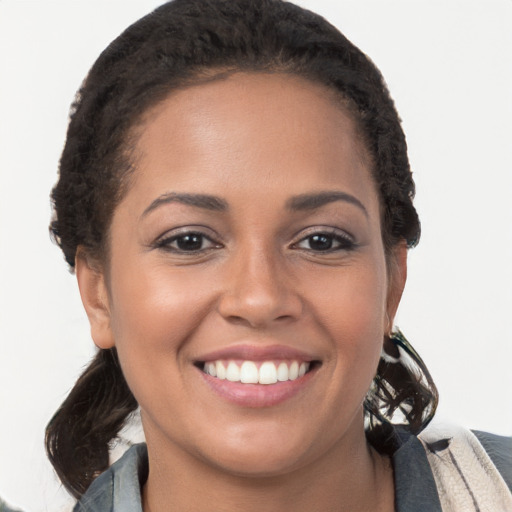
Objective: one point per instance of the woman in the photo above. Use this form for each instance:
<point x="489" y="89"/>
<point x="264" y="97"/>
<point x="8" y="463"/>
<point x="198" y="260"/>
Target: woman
<point x="236" y="200"/>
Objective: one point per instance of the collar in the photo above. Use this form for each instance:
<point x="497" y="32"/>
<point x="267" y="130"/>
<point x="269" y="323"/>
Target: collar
<point x="119" y="488"/>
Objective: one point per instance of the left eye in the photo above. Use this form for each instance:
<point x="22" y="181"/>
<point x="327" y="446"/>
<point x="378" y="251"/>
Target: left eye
<point x="325" y="242"/>
<point x="187" y="242"/>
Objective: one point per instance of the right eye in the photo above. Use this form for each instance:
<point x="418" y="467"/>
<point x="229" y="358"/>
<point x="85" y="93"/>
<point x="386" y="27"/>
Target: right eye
<point x="326" y="242"/>
<point x="187" y="242"/>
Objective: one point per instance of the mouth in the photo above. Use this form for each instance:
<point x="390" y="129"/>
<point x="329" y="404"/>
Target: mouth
<point x="257" y="372"/>
<point x="255" y="376"/>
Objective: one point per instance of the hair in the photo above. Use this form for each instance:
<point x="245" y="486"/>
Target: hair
<point x="185" y="42"/>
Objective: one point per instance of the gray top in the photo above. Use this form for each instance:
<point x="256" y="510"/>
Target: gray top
<point x="119" y="488"/>
<point x="5" y="508"/>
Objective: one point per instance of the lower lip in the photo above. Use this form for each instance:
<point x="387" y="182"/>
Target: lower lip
<point x="257" y="395"/>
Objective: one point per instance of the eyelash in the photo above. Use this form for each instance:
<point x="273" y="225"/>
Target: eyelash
<point x="166" y="242"/>
<point x="328" y="237"/>
<point x="344" y="241"/>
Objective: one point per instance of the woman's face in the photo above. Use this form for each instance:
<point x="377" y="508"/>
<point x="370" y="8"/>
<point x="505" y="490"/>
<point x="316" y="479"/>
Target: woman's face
<point x="248" y="247"/>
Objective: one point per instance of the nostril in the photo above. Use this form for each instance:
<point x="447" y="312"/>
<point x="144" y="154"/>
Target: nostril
<point x="238" y="320"/>
<point x="257" y="301"/>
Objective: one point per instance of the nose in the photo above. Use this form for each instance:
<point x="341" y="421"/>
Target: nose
<point x="259" y="291"/>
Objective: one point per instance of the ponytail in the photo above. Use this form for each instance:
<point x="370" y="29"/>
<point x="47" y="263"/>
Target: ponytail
<point x="79" y="434"/>
<point x="402" y="394"/>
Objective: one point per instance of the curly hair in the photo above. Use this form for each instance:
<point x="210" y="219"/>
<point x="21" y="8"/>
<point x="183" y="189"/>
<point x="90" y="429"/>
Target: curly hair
<point x="185" y="42"/>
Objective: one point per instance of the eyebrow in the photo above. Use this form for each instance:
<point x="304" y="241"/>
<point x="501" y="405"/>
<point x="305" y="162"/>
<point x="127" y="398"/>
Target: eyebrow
<point x="213" y="203"/>
<point x="205" y="201"/>
<point x="319" y="199"/>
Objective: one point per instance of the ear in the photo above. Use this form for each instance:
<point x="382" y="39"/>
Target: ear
<point x="94" y="293"/>
<point x="397" y="268"/>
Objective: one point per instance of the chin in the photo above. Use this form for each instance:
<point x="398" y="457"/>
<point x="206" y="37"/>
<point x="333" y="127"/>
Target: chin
<point x="261" y="452"/>
<point x="263" y="464"/>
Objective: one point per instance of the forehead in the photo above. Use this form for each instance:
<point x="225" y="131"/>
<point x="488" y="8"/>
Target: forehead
<point x="251" y="130"/>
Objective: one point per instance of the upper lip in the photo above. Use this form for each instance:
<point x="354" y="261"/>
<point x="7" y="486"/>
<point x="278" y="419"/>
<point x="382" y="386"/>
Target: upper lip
<point x="248" y="352"/>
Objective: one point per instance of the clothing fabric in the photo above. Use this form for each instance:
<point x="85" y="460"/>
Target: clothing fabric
<point x="418" y="486"/>
<point x="466" y="478"/>
<point x="5" y="508"/>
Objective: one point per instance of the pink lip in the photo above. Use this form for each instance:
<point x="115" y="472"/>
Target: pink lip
<point x="257" y="395"/>
<point x="257" y="353"/>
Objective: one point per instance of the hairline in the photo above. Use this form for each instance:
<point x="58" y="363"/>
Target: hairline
<point x="198" y="76"/>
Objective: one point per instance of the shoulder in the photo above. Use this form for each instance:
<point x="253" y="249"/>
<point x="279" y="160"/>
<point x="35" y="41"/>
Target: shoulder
<point x="5" y="508"/>
<point x="446" y="463"/>
<point x="499" y="449"/>
<point x="118" y="488"/>
<point x="415" y="486"/>
<point x="467" y="474"/>
<point x="484" y="447"/>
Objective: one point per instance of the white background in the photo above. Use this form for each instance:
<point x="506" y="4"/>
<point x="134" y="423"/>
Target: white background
<point x="448" y="65"/>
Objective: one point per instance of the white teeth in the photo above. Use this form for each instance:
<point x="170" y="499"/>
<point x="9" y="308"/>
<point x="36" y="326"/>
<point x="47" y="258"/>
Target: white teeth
<point x="268" y="373"/>
<point x="294" y="370"/>
<point x="221" y="370"/>
<point x="248" y="372"/>
<point x="210" y="369"/>
<point x="233" y="372"/>
<point x="282" y="372"/>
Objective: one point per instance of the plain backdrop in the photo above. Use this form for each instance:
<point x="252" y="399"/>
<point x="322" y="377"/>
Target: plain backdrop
<point x="448" y="65"/>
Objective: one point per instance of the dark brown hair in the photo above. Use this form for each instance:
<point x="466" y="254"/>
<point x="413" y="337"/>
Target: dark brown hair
<point x="181" y="43"/>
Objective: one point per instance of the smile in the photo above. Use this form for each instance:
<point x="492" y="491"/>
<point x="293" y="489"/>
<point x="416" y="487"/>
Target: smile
<point x="252" y="372"/>
<point x="251" y="375"/>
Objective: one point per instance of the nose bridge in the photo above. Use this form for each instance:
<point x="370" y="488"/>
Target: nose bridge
<point x="259" y="274"/>
<point x="258" y="290"/>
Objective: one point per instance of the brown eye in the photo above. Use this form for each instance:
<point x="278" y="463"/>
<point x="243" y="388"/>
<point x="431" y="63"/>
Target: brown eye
<point x="188" y="242"/>
<point x="326" y="242"/>
<point x="320" y="242"/>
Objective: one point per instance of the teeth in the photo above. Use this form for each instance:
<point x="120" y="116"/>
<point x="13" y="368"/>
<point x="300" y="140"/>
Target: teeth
<point x="268" y="373"/>
<point x="248" y="372"/>
<point x="282" y="372"/>
<point x="233" y="372"/>
<point x="210" y="369"/>
<point x="220" y="370"/>
<point x="294" y="370"/>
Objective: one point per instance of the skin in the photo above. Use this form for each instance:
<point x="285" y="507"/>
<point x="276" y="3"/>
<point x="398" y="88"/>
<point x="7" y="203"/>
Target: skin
<point x="256" y="142"/>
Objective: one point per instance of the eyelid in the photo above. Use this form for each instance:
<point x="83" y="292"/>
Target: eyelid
<point x="336" y="233"/>
<point x="326" y="230"/>
<point x="187" y="228"/>
<point x="164" y="240"/>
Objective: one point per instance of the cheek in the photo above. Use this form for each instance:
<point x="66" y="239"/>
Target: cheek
<point x="154" y="313"/>
<point x="350" y="301"/>
<point x="350" y="307"/>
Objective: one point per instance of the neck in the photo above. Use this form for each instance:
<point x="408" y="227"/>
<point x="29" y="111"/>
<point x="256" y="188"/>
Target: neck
<point x="349" y="478"/>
